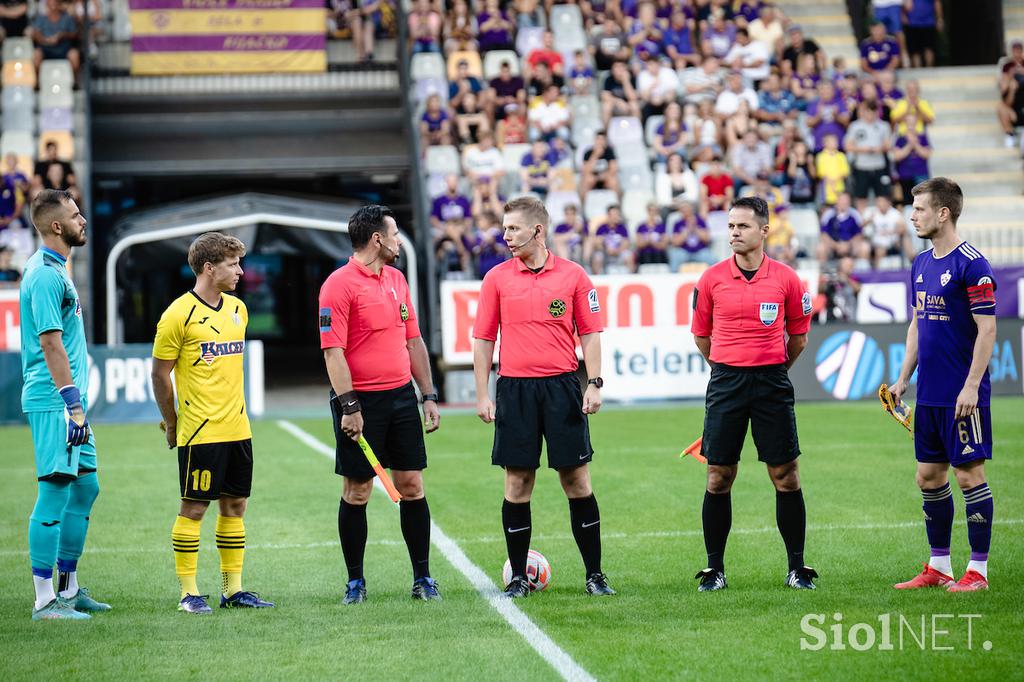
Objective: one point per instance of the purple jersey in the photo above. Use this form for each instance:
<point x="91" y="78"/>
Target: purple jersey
<point x="880" y="54"/>
<point x="948" y="292"/>
<point x="841" y="227"/>
<point x="448" y="208"/>
<point x="655" y="233"/>
<point x="613" y="236"/>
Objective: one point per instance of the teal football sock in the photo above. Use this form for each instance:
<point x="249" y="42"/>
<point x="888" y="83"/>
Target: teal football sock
<point x="44" y="528"/>
<point x="75" y="520"/>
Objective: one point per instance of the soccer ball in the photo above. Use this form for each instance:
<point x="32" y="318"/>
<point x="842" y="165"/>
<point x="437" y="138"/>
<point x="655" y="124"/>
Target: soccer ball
<point x="538" y="571"/>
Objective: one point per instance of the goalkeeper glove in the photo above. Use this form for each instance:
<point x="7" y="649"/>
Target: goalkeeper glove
<point x="74" y="415"/>
<point x="900" y="411"/>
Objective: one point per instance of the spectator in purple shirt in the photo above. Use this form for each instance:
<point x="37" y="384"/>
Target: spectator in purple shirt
<point x="495" y="28"/>
<point x="679" y="42"/>
<point x="568" y="239"/>
<point x="489" y="247"/>
<point x="841" y="235"/>
<point x="651" y="240"/>
<point x="435" y="124"/>
<point x="719" y="36"/>
<point x="888" y="91"/>
<point x="506" y="89"/>
<point x="690" y="241"/>
<point x="611" y="247"/>
<point x="536" y="169"/>
<point x="922" y="23"/>
<point x="827" y="115"/>
<point x="450" y="207"/>
<point x="910" y="152"/>
<point x="879" y="52"/>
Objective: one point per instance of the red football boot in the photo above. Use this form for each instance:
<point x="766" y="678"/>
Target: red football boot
<point x="929" y="577"/>
<point x="971" y="582"/>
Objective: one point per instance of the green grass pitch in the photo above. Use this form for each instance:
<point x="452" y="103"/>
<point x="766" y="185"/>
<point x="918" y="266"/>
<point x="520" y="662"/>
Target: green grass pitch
<point x="865" y="533"/>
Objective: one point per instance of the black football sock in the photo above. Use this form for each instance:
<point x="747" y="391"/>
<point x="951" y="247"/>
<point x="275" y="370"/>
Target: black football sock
<point x="586" y="528"/>
<point x="717" y="519"/>
<point x="352" y="531"/>
<point x="415" y="519"/>
<point x="515" y="517"/>
<point x="791" y="517"/>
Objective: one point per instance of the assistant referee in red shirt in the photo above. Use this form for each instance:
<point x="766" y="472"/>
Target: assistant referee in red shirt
<point x="744" y="308"/>
<point x="539" y="301"/>
<point x="373" y="349"/>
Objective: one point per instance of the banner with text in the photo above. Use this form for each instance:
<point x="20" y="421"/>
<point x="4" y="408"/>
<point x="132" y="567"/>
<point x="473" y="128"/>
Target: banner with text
<point x="227" y="36"/>
<point x="647" y="349"/>
<point x="850" y="361"/>
<point x="120" y="389"/>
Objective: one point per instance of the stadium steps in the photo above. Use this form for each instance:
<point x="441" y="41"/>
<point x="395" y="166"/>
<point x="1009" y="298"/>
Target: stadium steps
<point x="828" y="23"/>
<point x="968" y="145"/>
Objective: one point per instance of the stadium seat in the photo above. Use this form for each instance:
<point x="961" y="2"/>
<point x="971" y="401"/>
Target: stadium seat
<point x="529" y="39"/>
<point x="56" y="72"/>
<point x="471" y="57"/>
<point x="513" y="155"/>
<point x="21" y="73"/>
<point x="634" y="206"/>
<point x="625" y="130"/>
<point x="597" y="202"/>
<point x="632" y="155"/>
<point x="651" y="128"/>
<point x="65" y="143"/>
<point x="511" y="185"/>
<point x="435" y="185"/>
<point x="427" y="65"/>
<point x="718" y="227"/>
<point x="18" y="49"/>
<point x="583" y="133"/>
<point x="443" y="160"/>
<point x="806" y="228"/>
<point x="493" y="60"/>
<point x="566" y="17"/>
<point x="556" y="203"/>
<point x="56" y="118"/>
<point x="425" y="87"/>
<point x="121" y="25"/>
<point x="636" y="178"/>
<point x="584" y="107"/>
<point x="57" y="95"/>
<point x="19" y="109"/>
<point x="673" y="218"/>
<point x="568" y="41"/>
<point x="17" y="141"/>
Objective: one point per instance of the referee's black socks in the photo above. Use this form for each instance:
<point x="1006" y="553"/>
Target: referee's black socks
<point x="415" y="519"/>
<point x="352" y="531"/>
<point x="791" y="517"/>
<point x="515" y="517"/>
<point x="585" y="518"/>
<point x="717" y="519"/>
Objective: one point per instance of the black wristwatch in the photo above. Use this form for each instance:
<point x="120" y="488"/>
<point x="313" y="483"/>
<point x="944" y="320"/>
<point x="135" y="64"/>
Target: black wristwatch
<point x="429" y="396"/>
<point x="596" y="381"/>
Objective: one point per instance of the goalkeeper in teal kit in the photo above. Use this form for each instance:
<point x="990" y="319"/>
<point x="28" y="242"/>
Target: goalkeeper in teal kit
<point x="56" y="377"/>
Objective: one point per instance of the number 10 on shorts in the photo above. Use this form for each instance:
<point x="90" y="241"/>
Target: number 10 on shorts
<point x="201" y="479"/>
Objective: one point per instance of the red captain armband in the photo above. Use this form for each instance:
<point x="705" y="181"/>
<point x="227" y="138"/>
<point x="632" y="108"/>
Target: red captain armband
<point x="983" y="293"/>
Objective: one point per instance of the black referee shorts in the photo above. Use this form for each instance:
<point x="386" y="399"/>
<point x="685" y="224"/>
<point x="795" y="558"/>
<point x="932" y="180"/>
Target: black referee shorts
<point x="391" y="425"/>
<point x="762" y="396"/>
<point x="528" y="409"/>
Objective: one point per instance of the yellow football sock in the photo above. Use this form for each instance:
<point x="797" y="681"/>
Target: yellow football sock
<point x="231" y="545"/>
<point x="185" y="541"/>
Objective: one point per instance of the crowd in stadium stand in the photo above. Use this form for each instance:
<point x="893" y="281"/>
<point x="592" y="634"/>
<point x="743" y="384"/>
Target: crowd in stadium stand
<point x="639" y="122"/>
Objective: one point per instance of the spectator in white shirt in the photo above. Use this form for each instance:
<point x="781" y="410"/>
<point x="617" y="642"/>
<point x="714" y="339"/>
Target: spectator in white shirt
<point x="749" y="159"/>
<point x="768" y="29"/>
<point x="702" y="83"/>
<point x="887" y="229"/>
<point x="657" y="86"/>
<point x="549" y="116"/>
<point x="676" y="185"/>
<point x="729" y="101"/>
<point x="751" y="57"/>
<point x="484" y="164"/>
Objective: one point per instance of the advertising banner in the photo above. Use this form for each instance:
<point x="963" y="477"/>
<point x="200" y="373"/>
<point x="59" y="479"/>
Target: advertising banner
<point x="848" y="362"/>
<point x="120" y="389"/>
<point x="227" y="36"/>
<point x="647" y="349"/>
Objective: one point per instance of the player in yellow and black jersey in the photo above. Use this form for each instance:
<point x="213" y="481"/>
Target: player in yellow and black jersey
<point x="201" y="338"/>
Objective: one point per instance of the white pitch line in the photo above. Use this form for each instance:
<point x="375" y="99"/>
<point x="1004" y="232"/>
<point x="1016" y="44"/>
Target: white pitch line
<point x="538" y="640"/>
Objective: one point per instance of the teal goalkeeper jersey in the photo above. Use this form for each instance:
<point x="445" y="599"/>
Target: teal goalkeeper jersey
<point x="49" y="301"/>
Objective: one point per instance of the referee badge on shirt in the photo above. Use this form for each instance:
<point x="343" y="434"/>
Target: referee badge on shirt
<point x="769" y="311"/>
<point x="805" y="303"/>
<point x="325" y="319"/>
<point x="557" y="308"/>
<point x="404" y="311"/>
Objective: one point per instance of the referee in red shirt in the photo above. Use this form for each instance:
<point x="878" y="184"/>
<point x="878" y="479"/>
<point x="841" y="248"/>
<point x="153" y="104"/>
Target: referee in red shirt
<point x="373" y="349"/>
<point x="539" y="301"/>
<point x="744" y="308"/>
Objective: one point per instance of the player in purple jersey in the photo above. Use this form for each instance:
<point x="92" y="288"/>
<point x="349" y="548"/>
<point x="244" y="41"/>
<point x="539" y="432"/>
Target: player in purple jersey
<point x="950" y="342"/>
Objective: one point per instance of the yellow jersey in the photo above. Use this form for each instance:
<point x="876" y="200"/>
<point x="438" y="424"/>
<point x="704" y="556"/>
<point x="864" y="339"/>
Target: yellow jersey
<point x="207" y="344"/>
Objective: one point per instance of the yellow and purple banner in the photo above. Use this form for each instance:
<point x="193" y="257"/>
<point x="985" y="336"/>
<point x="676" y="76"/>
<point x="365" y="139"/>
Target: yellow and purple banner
<point x="228" y="36"/>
